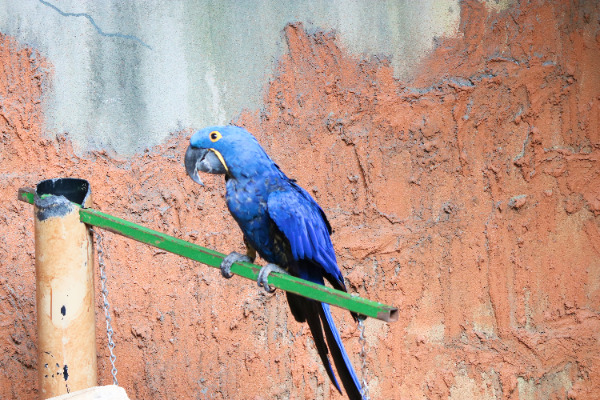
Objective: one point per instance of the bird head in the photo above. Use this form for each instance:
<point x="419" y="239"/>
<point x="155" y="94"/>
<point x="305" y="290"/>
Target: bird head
<point x="219" y="150"/>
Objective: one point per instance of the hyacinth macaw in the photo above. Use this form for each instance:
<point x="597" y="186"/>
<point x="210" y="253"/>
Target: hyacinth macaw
<point x="281" y="222"/>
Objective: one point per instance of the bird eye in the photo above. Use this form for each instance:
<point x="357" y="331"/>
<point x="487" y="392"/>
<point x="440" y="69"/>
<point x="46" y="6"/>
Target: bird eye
<point x="215" y="135"/>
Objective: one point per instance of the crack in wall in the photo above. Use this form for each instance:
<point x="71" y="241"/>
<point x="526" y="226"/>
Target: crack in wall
<point x="95" y="25"/>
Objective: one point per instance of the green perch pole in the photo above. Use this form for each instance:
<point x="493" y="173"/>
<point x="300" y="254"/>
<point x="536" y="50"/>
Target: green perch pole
<point x="212" y="258"/>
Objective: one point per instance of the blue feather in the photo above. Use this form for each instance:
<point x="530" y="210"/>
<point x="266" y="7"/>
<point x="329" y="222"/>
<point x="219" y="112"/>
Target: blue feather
<point x="314" y="240"/>
<point x="338" y="340"/>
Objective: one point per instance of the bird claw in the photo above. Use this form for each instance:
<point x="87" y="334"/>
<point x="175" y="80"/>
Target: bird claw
<point x="228" y="261"/>
<point x="263" y="276"/>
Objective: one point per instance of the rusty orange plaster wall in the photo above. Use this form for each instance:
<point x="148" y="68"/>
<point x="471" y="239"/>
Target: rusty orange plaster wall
<point x="469" y="197"/>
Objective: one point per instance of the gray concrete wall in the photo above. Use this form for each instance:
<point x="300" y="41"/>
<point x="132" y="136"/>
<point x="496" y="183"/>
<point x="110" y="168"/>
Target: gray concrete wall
<point x="126" y="74"/>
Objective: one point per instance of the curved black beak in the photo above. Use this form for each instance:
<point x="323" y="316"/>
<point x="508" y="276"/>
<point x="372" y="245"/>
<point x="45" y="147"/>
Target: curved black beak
<point x="192" y="157"/>
<point x="205" y="160"/>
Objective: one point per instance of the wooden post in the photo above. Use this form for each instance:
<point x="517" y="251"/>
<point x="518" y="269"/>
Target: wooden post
<point x="65" y="289"/>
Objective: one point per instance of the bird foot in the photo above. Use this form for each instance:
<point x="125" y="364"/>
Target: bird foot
<point x="228" y="261"/>
<point x="263" y="276"/>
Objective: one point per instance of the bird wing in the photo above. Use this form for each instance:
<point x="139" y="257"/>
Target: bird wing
<point x="303" y="224"/>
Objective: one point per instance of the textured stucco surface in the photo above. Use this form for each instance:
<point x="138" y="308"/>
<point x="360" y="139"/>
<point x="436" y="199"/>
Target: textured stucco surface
<point x="468" y="196"/>
<point x="127" y="74"/>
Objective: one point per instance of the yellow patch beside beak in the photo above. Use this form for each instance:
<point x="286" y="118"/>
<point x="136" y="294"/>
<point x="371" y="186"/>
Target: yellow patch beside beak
<point x="220" y="157"/>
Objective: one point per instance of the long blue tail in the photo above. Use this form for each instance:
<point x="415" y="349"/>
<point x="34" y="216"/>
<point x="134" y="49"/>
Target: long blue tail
<point x="319" y="319"/>
<point x="340" y="357"/>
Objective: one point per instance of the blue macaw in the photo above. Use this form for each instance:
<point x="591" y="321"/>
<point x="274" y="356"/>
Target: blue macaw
<point x="281" y="222"/>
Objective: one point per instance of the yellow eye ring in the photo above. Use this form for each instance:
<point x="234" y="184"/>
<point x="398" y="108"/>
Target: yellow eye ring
<point x="215" y="135"/>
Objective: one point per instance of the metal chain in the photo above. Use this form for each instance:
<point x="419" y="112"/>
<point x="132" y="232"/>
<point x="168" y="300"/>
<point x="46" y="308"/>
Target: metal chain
<point x="104" y="289"/>
<point x="364" y="392"/>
